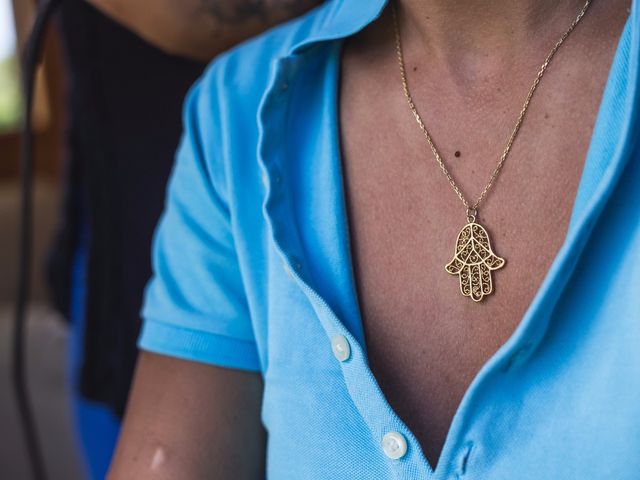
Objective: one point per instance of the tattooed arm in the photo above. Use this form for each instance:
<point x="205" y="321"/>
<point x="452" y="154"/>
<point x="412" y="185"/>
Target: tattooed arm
<point x="200" y="29"/>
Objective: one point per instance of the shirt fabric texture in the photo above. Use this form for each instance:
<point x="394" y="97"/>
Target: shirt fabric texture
<point x="252" y="270"/>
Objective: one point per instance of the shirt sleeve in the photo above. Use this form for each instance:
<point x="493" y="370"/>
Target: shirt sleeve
<point x="195" y="306"/>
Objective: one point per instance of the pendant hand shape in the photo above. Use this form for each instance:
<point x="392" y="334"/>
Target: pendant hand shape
<point x="473" y="261"/>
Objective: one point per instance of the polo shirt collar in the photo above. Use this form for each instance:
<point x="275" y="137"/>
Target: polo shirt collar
<point x="341" y="18"/>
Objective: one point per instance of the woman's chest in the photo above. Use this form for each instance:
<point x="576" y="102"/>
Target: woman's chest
<point x="425" y="340"/>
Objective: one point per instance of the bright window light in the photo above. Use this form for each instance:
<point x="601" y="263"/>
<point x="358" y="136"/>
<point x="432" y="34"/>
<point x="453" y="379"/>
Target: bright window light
<point x="10" y="95"/>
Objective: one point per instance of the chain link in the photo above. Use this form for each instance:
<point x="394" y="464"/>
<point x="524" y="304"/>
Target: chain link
<point x="405" y="87"/>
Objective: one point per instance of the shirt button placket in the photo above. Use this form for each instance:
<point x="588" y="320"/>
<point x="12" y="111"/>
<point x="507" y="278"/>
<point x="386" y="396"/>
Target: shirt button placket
<point x="287" y="269"/>
<point x="518" y="356"/>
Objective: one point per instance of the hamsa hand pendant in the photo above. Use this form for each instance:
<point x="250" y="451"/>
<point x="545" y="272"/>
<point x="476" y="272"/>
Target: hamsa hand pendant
<point x="473" y="261"/>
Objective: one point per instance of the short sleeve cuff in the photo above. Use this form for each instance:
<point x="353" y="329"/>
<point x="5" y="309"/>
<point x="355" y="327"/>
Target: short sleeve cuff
<point x="198" y="346"/>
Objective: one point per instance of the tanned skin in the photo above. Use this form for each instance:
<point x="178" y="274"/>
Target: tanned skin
<point x="200" y="29"/>
<point x="190" y="421"/>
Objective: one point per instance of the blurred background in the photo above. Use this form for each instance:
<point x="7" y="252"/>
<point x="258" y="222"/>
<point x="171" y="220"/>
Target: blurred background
<point x="47" y="332"/>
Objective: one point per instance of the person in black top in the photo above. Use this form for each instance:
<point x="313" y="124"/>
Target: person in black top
<point x="129" y="64"/>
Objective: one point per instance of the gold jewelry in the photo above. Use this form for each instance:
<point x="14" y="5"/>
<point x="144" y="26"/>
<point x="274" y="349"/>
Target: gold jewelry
<point x="473" y="258"/>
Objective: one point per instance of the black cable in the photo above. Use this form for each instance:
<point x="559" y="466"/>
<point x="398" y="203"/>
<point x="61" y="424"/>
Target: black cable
<point x="32" y="57"/>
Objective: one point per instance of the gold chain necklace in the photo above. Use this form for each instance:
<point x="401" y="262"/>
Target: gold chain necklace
<point x="473" y="258"/>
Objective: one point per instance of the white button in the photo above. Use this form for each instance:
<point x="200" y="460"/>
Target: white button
<point x="341" y="348"/>
<point x="394" y="445"/>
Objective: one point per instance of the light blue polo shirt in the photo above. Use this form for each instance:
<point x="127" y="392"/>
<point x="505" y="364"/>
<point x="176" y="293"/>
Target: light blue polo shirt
<point x="253" y="271"/>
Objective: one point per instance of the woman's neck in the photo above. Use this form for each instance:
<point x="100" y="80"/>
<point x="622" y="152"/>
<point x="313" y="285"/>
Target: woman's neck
<point x="467" y="35"/>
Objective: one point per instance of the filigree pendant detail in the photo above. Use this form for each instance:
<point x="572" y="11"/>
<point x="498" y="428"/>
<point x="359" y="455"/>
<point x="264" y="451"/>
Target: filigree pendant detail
<point x="473" y="261"/>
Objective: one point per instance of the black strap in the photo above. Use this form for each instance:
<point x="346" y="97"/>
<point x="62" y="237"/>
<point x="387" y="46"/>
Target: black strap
<point x="32" y="58"/>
